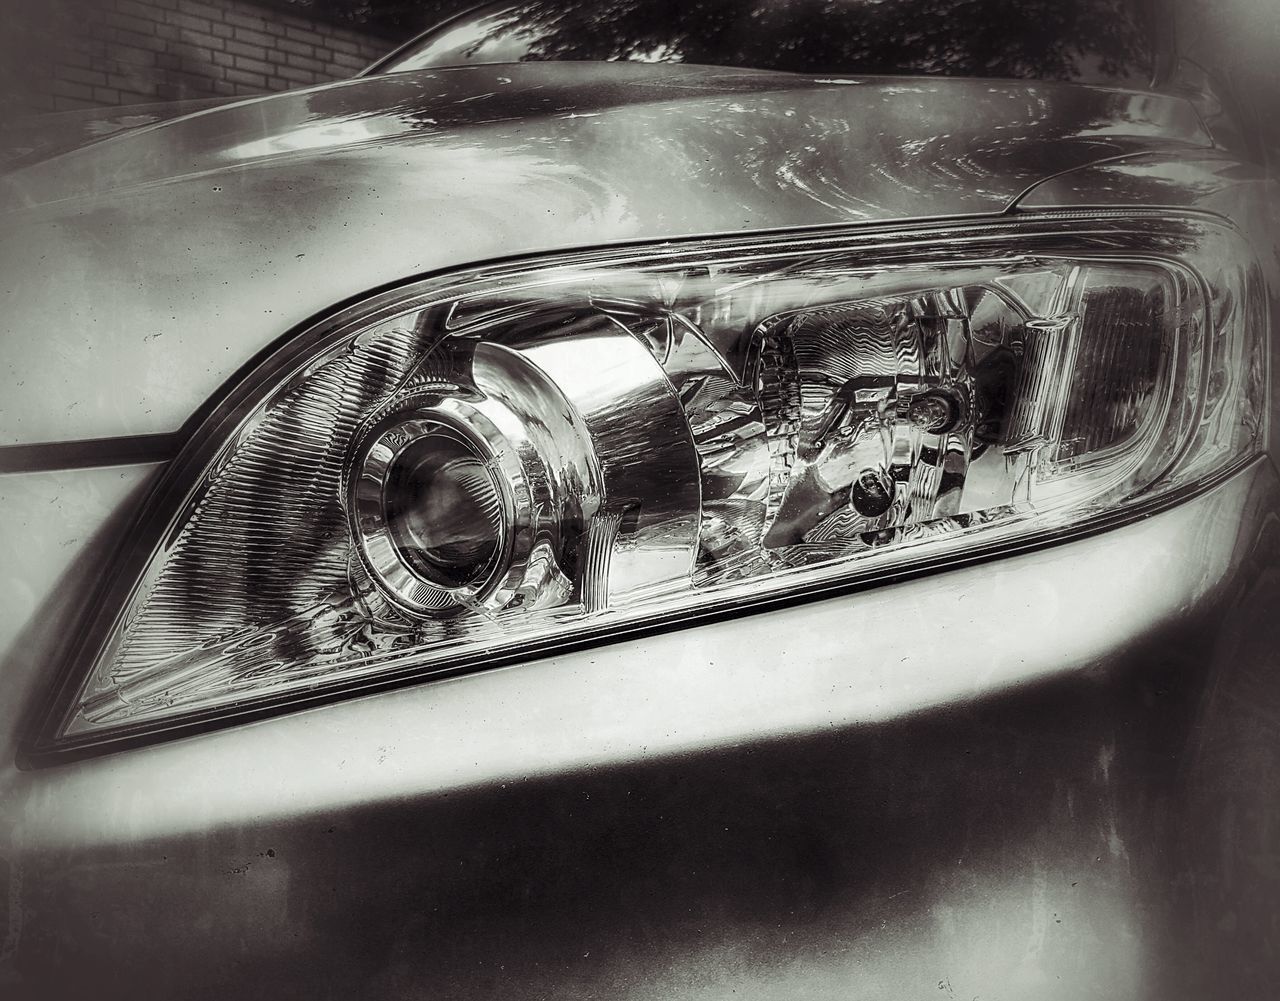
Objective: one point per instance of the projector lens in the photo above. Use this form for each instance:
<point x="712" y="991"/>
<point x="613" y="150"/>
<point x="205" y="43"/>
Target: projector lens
<point x="443" y="510"/>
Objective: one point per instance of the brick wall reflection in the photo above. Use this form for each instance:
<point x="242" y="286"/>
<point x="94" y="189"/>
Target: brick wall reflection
<point x="91" y="53"/>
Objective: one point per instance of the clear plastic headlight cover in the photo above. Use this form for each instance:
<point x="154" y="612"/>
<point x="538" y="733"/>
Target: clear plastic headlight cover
<point x="480" y="466"/>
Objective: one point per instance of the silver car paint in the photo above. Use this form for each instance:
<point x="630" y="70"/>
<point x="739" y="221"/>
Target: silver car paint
<point x="702" y="813"/>
<point x="162" y="260"/>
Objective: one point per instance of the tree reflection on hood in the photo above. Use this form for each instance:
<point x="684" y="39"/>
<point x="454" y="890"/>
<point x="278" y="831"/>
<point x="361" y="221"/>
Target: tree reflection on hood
<point x="1090" y="40"/>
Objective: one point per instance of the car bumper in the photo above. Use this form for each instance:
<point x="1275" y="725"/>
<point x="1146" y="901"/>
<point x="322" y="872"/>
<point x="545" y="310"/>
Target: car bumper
<point x="1051" y="775"/>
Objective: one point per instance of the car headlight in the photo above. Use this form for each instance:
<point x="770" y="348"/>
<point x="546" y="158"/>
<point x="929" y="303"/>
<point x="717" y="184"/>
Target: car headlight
<point x="486" y="464"/>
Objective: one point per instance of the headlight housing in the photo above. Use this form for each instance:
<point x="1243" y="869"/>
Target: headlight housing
<point x="485" y="464"/>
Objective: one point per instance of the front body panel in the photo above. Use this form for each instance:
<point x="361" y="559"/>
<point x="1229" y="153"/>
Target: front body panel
<point x="1045" y="776"/>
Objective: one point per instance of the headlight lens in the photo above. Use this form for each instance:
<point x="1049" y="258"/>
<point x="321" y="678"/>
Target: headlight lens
<point x="428" y="505"/>
<point x="487" y="464"/>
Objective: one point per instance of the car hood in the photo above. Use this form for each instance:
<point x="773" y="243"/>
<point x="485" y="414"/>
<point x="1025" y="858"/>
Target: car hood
<point x="141" y="271"/>
<point x="26" y="141"/>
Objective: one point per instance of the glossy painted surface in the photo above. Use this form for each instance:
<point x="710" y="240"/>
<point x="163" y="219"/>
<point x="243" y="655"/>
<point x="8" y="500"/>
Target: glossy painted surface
<point x="1047" y="776"/>
<point x="1201" y="178"/>
<point x="29" y="140"/>
<point x="309" y="198"/>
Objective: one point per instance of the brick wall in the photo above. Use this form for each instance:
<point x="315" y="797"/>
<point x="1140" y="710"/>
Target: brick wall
<point x="91" y="53"/>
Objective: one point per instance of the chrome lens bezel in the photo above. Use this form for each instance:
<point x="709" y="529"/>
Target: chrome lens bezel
<point x="373" y="461"/>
